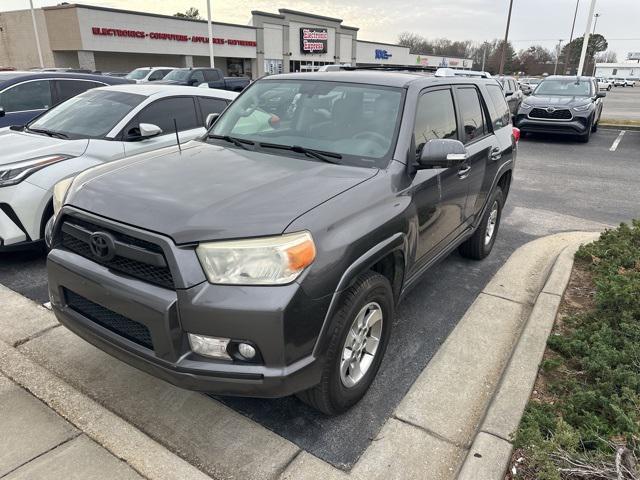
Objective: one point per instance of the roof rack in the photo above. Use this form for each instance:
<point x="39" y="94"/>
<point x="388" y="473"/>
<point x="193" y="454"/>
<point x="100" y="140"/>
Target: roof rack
<point x="451" y="72"/>
<point x="392" y="68"/>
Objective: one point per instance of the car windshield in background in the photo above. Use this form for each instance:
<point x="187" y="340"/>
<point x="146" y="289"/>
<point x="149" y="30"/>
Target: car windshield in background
<point x="355" y="121"/>
<point x="565" y="88"/>
<point x="179" y="74"/>
<point x="138" y="74"/>
<point x="89" y="115"/>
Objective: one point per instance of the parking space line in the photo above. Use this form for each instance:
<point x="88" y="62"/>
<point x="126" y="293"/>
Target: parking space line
<point x="616" y="142"/>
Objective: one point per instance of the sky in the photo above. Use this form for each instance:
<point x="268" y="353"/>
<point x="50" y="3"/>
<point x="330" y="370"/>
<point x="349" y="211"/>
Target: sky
<point x="533" y="21"/>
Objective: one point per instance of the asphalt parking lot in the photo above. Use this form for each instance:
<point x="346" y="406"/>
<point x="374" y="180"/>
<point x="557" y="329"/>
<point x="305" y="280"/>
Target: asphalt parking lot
<point x="622" y="103"/>
<point x="559" y="185"/>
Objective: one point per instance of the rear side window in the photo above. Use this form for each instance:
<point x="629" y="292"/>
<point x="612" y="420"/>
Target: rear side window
<point x="471" y="113"/>
<point x="66" y="89"/>
<point x="435" y="118"/>
<point x="211" y="75"/>
<point x="26" y="96"/>
<point x="211" y="105"/>
<point x="164" y="111"/>
<point x="501" y="116"/>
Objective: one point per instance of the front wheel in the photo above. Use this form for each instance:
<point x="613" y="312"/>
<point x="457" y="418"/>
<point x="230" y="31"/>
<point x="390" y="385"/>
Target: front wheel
<point x="479" y="245"/>
<point x="362" y="326"/>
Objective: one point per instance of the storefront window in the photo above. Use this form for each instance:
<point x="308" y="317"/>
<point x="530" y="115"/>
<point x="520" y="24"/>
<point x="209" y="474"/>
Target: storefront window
<point x="237" y="67"/>
<point x="273" y="67"/>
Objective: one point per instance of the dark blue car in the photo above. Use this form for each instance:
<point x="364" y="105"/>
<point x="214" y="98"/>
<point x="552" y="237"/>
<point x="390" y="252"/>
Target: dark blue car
<point x="25" y="95"/>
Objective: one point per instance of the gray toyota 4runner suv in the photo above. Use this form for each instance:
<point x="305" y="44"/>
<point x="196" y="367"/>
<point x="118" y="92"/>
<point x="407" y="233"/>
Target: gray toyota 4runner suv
<point x="268" y="257"/>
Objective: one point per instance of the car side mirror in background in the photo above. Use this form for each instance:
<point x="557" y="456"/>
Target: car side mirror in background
<point x="508" y="93"/>
<point x="601" y="94"/>
<point x="211" y="119"/>
<point x="442" y="153"/>
<point x="2" y="114"/>
<point x="193" y="81"/>
<point x="143" y="131"/>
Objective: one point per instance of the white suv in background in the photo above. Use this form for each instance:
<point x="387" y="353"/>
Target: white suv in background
<point x="148" y="74"/>
<point x="98" y="126"/>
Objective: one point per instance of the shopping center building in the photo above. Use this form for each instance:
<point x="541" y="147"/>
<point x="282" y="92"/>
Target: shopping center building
<point x="107" y="39"/>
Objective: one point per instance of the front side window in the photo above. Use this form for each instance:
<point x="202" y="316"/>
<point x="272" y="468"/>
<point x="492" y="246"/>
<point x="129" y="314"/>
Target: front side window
<point x="211" y="105"/>
<point x="356" y="121"/>
<point x="70" y="88"/>
<point x="435" y="118"/>
<point x="157" y="75"/>
<point x="568" y="88"/>
<point x="471" y="113"/>
<point x="163" y="113"/>
<point x="197" y="77"/>
<point x="26" y="96"/>
<point x="178" y="74"/>
<point x="138" y="74"/>
<point x="89" y="115"/>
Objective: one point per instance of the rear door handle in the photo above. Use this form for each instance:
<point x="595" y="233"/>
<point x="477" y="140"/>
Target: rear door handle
<point x="464" y="171"/>
<point x="496" y="153"/>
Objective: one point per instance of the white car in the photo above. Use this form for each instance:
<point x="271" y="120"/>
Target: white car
<point x="98" y="126"/>
<point x="619" y="82"/>
<point x="148" y="74"/>
<point x="604" y="84"/>
<point x="629" y="82"/>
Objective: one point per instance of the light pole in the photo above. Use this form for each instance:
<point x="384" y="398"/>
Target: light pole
<point x="555" y="68"/>
<point x="211" y="57"/>
<point x="484" y="55"/>
<point x="595" y="23"/>
<point x="597" y="15"/>
<point x="573" y="26"/>
<point x="35" y="31"/>
<point x="506" y="38"/>
<point x="585" y="40"/>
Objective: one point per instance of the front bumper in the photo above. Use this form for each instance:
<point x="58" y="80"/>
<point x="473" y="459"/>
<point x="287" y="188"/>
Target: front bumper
<point x="576" y="126"/>
<point x="282" y="322"/>
<point x="21" y="209"/>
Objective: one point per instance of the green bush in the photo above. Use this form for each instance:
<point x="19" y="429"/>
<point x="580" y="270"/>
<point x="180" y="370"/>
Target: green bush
<point x="595" y="372"/>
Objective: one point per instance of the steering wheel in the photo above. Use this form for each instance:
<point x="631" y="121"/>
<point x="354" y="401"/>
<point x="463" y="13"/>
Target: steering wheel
<point x="375" y="136"/>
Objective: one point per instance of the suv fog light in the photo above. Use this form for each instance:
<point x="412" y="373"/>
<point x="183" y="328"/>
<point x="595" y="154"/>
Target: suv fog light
<point x="213" y="347"/>
<point x="246" y="350"/>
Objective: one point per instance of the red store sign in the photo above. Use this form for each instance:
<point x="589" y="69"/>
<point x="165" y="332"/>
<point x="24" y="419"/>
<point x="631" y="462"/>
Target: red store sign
<point x="117" y="32"/>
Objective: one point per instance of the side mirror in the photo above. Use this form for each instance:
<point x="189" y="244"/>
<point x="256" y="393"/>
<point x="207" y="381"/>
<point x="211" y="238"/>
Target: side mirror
<point x="193" y="81"/>
<point x="2" y="114"/>
<point x="443" y="153"/>
<point x="211" y="119"/>
<point x="508" y="93"/>
<point x="143" y="131"/>
<point x="601" y="94"/>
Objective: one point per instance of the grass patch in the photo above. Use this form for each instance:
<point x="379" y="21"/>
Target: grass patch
<point x="583" y="420"/>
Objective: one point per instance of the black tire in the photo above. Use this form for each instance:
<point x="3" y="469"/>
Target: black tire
<point x="584" y="138"/>
<point x="331" y="396"/>
<point x="476" y="246"/>
<point x="594" y="127"/>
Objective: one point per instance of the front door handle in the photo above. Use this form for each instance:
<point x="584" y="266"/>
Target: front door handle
<point x="464" y="171"/>
<point x="496" y="153"/>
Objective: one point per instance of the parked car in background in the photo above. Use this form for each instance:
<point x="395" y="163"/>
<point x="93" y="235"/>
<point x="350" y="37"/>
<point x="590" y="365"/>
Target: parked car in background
<point x="98" y="126"/>
<point x="528" y="85"/>
<point x="25" y="95"/>
<point x="512" y="93"/>
<point x="564" y="105"/>
<point x="619" y="82"/>
<point x="268" y="257"/>
<point x="604" y="84"/>
<point x="214" y="77"/>
<point x="628" y="82"/>
<point x="148" y="74"/>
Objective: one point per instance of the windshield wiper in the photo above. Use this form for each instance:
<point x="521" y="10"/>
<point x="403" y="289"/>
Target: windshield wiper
<point x="319" y="154"/>
<point x="50" y="133"/>
<point x="238" y="142"/>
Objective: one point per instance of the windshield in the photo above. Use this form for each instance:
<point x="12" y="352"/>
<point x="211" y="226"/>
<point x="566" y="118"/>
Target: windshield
<point x="357" y="121"/>
<point x="89" y="115"/>
<point x="566" y="88"/>
<point x="138" y="74"/>
<point x="179" y="74"/>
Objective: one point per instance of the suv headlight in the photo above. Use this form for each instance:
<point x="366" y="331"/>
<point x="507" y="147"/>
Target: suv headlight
<point x="582" y="108"/>
<point x="257" y="261"/>
<point x="14" y="173"/>
<point x="60" y="191"/>
<point x="525" y="106"/>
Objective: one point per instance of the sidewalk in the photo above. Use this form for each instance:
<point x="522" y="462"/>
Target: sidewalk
<point x="70" y="406"/>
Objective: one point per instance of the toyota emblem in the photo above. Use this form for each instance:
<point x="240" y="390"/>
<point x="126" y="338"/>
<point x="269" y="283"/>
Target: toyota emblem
<point x="550" y="109"/>
<point x="102" y="246"/>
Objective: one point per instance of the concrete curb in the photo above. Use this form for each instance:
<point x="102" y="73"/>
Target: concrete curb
<point x="489" y="455"/>
<point x="619" y="126"/>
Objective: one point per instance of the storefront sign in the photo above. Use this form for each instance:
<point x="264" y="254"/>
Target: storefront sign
<point x="382" y="54"/>
<point x="117" y="32"/>
<point x="313" y="40"/>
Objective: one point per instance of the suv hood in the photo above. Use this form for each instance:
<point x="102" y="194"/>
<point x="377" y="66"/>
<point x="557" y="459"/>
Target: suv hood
<point x="556" y="101"/>
<point x="209" y="192"/>
<point x="18" y="146"/>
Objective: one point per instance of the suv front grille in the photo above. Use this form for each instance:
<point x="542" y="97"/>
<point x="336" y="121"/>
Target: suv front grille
<point x="110" y="320"/>
<point x="560" y="114"/>
<point x="136" y="257"/>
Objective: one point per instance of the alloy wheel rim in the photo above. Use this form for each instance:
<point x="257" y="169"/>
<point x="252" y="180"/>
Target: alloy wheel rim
<point x="491" y="223"/>
<point x="361" y="345"/>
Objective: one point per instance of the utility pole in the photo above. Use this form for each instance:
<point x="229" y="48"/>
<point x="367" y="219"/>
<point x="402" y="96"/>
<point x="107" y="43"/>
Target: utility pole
<point x="506" y="38"/>
<point x="211" y="57"/>
<point x="585" y="40"/>
<point x="567" y="68"/>
<point x="484" y="55"/>
<point x="35" y="31"/>
<point x="593" y="74"/>
<point x="555" y="68"/>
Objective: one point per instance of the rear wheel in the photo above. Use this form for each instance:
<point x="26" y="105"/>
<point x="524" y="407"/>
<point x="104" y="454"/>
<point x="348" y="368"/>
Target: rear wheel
<point x="479" y="245"/>
<point x="362" y="325"/>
